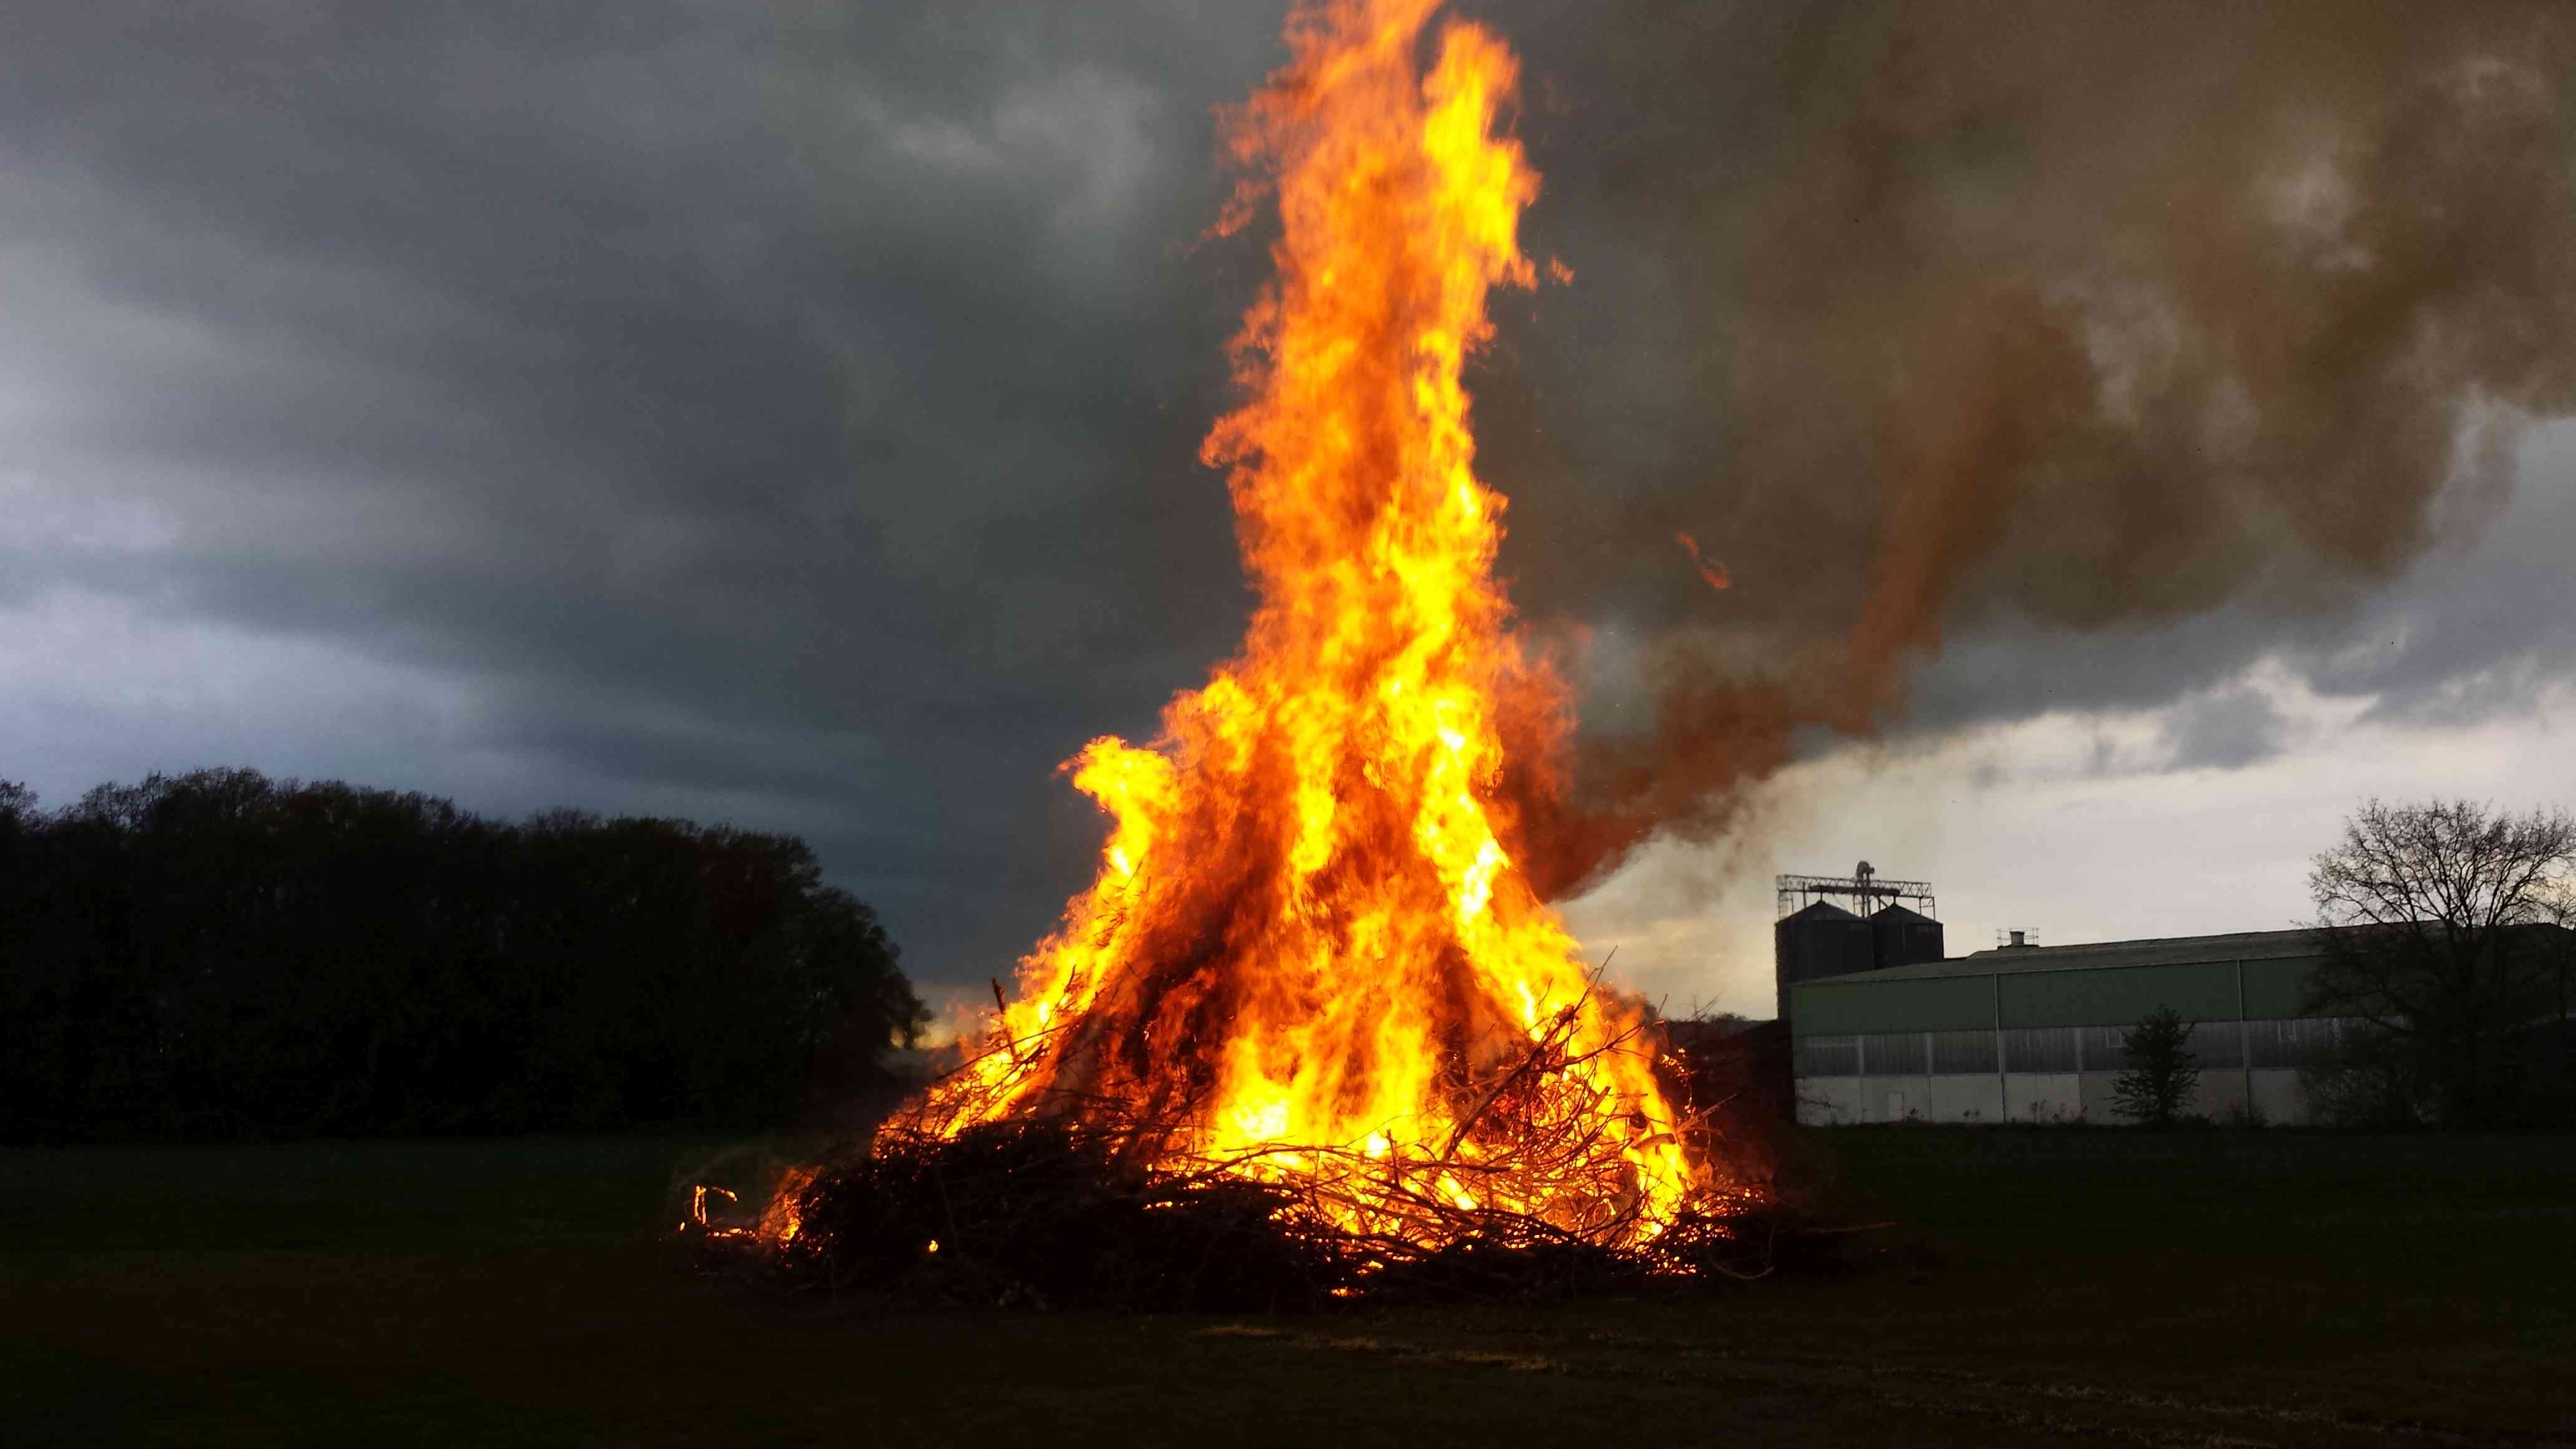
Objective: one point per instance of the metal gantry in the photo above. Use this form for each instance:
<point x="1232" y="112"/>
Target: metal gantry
<point x="1864" y="886"/>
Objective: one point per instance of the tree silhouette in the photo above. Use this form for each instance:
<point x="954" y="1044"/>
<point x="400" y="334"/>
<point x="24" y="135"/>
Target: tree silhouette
<point x="219" y="954"/>
<point x="2161" y="1074"/>
<point x="2438" y="932"/>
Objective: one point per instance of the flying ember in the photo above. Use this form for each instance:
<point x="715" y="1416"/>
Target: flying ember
<point x="1309" y="957"/>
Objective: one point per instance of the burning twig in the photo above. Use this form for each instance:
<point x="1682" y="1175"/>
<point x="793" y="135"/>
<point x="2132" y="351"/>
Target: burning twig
<point x="1547" y="1043"/>
<point x="1002" y="1019"/>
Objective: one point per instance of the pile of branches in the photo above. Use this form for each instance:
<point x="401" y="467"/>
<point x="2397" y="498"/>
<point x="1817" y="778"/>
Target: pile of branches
<point x="1020" y="1188"/>
<point x="1059" y="1214"/>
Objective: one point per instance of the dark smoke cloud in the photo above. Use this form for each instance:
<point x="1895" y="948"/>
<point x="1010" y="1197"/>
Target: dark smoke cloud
<point x="2071" y="317"/>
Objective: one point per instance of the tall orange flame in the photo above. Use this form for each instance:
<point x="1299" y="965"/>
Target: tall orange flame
<point x="1309" y="953"/>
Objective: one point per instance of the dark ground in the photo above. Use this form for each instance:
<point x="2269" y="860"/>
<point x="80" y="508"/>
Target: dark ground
<point x="2068" y="1287"/>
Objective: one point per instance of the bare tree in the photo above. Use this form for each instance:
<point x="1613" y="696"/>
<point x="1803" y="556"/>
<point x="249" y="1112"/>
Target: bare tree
<point x="2437" y="932"/>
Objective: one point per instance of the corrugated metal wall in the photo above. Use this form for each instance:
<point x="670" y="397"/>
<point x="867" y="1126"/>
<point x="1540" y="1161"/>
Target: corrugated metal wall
<point x="2204" y="991"/>
<point x="2214" y="1045"/>
<point x="2045" y="1044"/>
<point x="1941" y="1003"/>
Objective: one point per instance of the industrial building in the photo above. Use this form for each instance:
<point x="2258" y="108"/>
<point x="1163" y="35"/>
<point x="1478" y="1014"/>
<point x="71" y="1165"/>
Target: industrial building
<point x="1883" y="1028"/>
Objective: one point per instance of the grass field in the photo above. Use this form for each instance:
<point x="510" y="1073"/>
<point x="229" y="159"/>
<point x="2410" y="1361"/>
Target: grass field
<point x="2050" y="1287"/>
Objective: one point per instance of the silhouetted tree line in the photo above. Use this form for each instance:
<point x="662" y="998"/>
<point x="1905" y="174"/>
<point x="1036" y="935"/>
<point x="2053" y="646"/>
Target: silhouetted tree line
<point x="220" y="954"/>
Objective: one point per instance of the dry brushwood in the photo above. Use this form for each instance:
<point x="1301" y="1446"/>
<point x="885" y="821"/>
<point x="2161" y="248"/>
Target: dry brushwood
<point x="1069" y="1199"/>
<point x="1061" y="1213"/>
<point x="1050" y="1215"/>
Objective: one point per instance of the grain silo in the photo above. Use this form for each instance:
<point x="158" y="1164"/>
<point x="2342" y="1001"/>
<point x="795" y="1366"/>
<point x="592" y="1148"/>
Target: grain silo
<point x="1900" y="937"/>
<point x="1821" y="939"/>
<point x="1814" y="937"/>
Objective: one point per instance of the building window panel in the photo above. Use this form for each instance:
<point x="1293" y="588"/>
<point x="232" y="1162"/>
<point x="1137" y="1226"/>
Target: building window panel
<point x="2040" y="1049"/>
<point x="1963" y="1053"/>
<point x="1828" y="1056"/>
<point x="1892" y="1054"/>
<point x="2105" y="1048"/>
<point x="2298" y="1042"/>
<point x="2217" y="1044"/>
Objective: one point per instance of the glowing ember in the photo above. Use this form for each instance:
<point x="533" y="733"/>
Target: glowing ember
<point x="1309" y="957"/>
<point x="1714" y="573"/>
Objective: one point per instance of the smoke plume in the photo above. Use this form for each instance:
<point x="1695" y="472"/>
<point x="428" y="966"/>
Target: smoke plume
<point x="2070" y="315"/>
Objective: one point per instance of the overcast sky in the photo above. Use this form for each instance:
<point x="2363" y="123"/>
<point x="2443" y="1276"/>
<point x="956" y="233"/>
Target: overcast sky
<point x="787" y="414"/>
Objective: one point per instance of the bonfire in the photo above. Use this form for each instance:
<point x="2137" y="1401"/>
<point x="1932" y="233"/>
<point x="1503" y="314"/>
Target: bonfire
<point x="1311" y="994"/>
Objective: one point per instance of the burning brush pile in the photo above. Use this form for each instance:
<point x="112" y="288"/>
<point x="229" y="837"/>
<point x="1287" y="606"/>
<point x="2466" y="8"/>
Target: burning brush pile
<point x="1312" y="1033"/>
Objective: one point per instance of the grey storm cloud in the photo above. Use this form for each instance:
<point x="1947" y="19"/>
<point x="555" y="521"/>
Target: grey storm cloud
<point x="2225" y="731"/>
<point x="794" y="409"/>
<point x="796" y="405"/>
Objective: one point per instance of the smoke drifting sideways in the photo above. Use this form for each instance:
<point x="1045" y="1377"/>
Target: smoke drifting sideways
<point x="2069" y="316"/>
